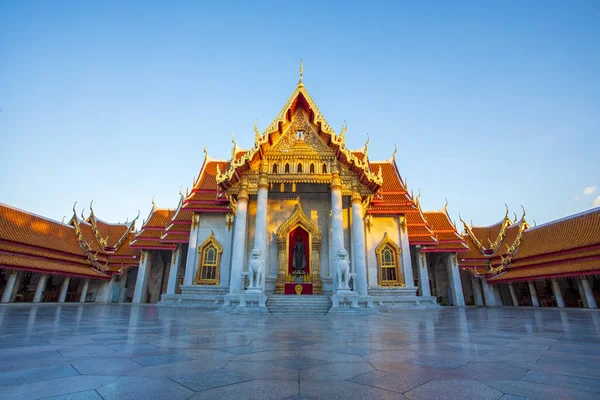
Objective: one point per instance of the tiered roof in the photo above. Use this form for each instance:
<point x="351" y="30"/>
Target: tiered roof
<point x="565" y="247"/>
<point x="33" y="243"/>
<point x="153" y="229"/>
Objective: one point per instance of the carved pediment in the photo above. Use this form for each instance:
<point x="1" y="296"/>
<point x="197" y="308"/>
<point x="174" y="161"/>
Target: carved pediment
<point x="300" y="137"/>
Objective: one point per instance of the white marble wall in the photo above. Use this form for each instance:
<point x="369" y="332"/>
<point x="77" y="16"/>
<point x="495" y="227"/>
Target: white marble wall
<point x="381" y="226"/>
<point x="215" y="223"/>
<point x="316" y="203"/>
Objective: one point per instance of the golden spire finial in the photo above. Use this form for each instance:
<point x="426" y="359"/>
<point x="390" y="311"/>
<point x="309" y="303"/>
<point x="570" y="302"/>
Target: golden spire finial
<point x="515" y="215"/>
<point x="343" y="132"/>
<point x="446" y="206"/>
<point x="82" y="217"/>
<point x="366" y="151"/>
<point x="234" y="147"/>
<point x="256" y="132"/>
<point x="506" y="215"/>
<point x="63" y="220"/>
<point x="534" y="223"/>
<point x="204" y="150"/>
<point x="153" y="203"/>
<point x="301" y="72"/>
<point x="395" y="151"/>
<point x="523" y="217"/>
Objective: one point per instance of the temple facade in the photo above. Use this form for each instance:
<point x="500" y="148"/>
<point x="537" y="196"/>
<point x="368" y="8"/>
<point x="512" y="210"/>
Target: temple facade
<point x="299" y="223"/>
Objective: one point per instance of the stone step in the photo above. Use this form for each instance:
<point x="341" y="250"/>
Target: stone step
<point x="299" y="305"/>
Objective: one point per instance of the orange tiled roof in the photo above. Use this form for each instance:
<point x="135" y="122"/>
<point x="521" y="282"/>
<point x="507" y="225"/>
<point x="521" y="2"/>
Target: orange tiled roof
<point x="574" y="232"/>
<point x="24" y="262"/>
<point x="22" y="227"/>
<point x="556" y="269"/>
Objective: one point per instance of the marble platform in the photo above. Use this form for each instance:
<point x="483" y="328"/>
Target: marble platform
<point x="96" y="351"/>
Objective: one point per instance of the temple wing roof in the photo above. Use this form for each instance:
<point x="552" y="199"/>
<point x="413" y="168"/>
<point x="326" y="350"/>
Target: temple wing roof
<point x="34" y="243"/>
<point x="149" y="237"/>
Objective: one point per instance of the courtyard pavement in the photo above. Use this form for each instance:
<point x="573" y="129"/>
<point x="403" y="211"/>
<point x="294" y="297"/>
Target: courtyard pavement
<point x="145" y="352"/>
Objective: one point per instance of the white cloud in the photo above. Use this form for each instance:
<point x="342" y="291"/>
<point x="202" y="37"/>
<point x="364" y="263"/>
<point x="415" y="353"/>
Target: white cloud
<point x="589" y="190"/>
<point x="596" y="202"/>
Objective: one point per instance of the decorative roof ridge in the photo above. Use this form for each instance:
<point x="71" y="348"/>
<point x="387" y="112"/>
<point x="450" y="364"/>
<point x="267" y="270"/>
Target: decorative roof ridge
<point x="92" y="257"/>
<point x="512" y="249"/>
<point x="91" y="219"/>
<point x="63" y="224"/>
<point x="567" y="218"/>
<point x="471" y="235"/>
<point x="506" y="222"/>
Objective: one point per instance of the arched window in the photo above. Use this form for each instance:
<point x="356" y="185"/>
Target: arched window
<point x="312" y="168"/>
<point x="299" y="169"/>
<point x="324" y="169"/>
<point x="209" y="260"/>
<point x="388" y="258"/>
<point x="287" y="168"/>
<point x="274" y="168"/>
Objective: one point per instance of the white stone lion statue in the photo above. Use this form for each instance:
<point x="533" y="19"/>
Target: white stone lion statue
<point x="255" y="270"/>
<point x="343" y="269"/>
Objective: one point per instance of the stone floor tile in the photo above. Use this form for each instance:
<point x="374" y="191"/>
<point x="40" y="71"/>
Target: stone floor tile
<point x="390" y="356"/>
<point x="564" y="381"/>
<point x="393" y="381"/>
<point x="335" y="371"/>
<point x="538" y="391"/>
<point x="262" y="370"/>
<point x="206" y="354"/>
<point x="87" y="395"/>
<point x="454" y="389"/>
<point x="252" y="390"/>
<point x="209" y="379"/>
<point x="179" y="368"/>
<point x="331" y="356"/>
<point x="151" y="361"/>
<point x="267" y="356"/>
<point x="53" y="387"/>
<point x="511" y="397"/>
<point x="436" y="362"/>
<point x="37" y="374"/>
<point x="343" y="390"/>
<point x="85" y="351"/>
<point x="483" y="370"/>
<point x="135" y="388"/>
<point x="110" y="366"/>
<point x="300" y="363"/>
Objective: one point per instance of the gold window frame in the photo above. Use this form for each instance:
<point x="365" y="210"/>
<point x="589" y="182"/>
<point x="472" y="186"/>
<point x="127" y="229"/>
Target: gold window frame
<point x="210" y="241"/>
<point x="386" y="245"/>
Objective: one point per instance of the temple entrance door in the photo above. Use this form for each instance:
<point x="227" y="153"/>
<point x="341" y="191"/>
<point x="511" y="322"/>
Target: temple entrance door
<point x="299" y="246"/>
<point x="299" y="277"/>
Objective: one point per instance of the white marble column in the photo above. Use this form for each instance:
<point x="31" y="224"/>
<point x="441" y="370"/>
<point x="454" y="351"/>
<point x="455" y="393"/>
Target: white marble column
<point x="490" y="294"/>
<point x="581" y="293"/>
<point x="557" y="294"/>
<point x="64" y="289"/>
<point x="260" y="226"/>
<point x="513" y="294"/>
<point x="190" y="263"/>
<point x="84" y="290"/>
<point x="10" y="285"/>
<point x="123" y="286"/>
<point x="358" y="236"/>
<point x="407" y="270"/>
<point x="337" y="221"/>
<point x="477" y="292"/>
<point x="236" y="284"/>
<point x="458" y="298"/>
<point x="141" y="283"/>
<point x="174" y="271"/>
<point x="534" y="299"/>
<point x="15" y="291"/>
<point x="105" y="291"/>
<point x="589" y="295"/>
<point x="39" y="290"/>
<point x="424" y="289"/>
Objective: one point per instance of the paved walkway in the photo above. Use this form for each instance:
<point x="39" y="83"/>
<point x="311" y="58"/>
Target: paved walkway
<point x="130" y="352"/>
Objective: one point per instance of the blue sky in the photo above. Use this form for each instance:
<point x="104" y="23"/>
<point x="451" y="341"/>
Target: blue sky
<point x="490" y="102"/>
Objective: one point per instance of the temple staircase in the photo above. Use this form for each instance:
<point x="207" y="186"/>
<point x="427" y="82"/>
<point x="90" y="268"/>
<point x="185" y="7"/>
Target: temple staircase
<point x="298" y="305"/>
